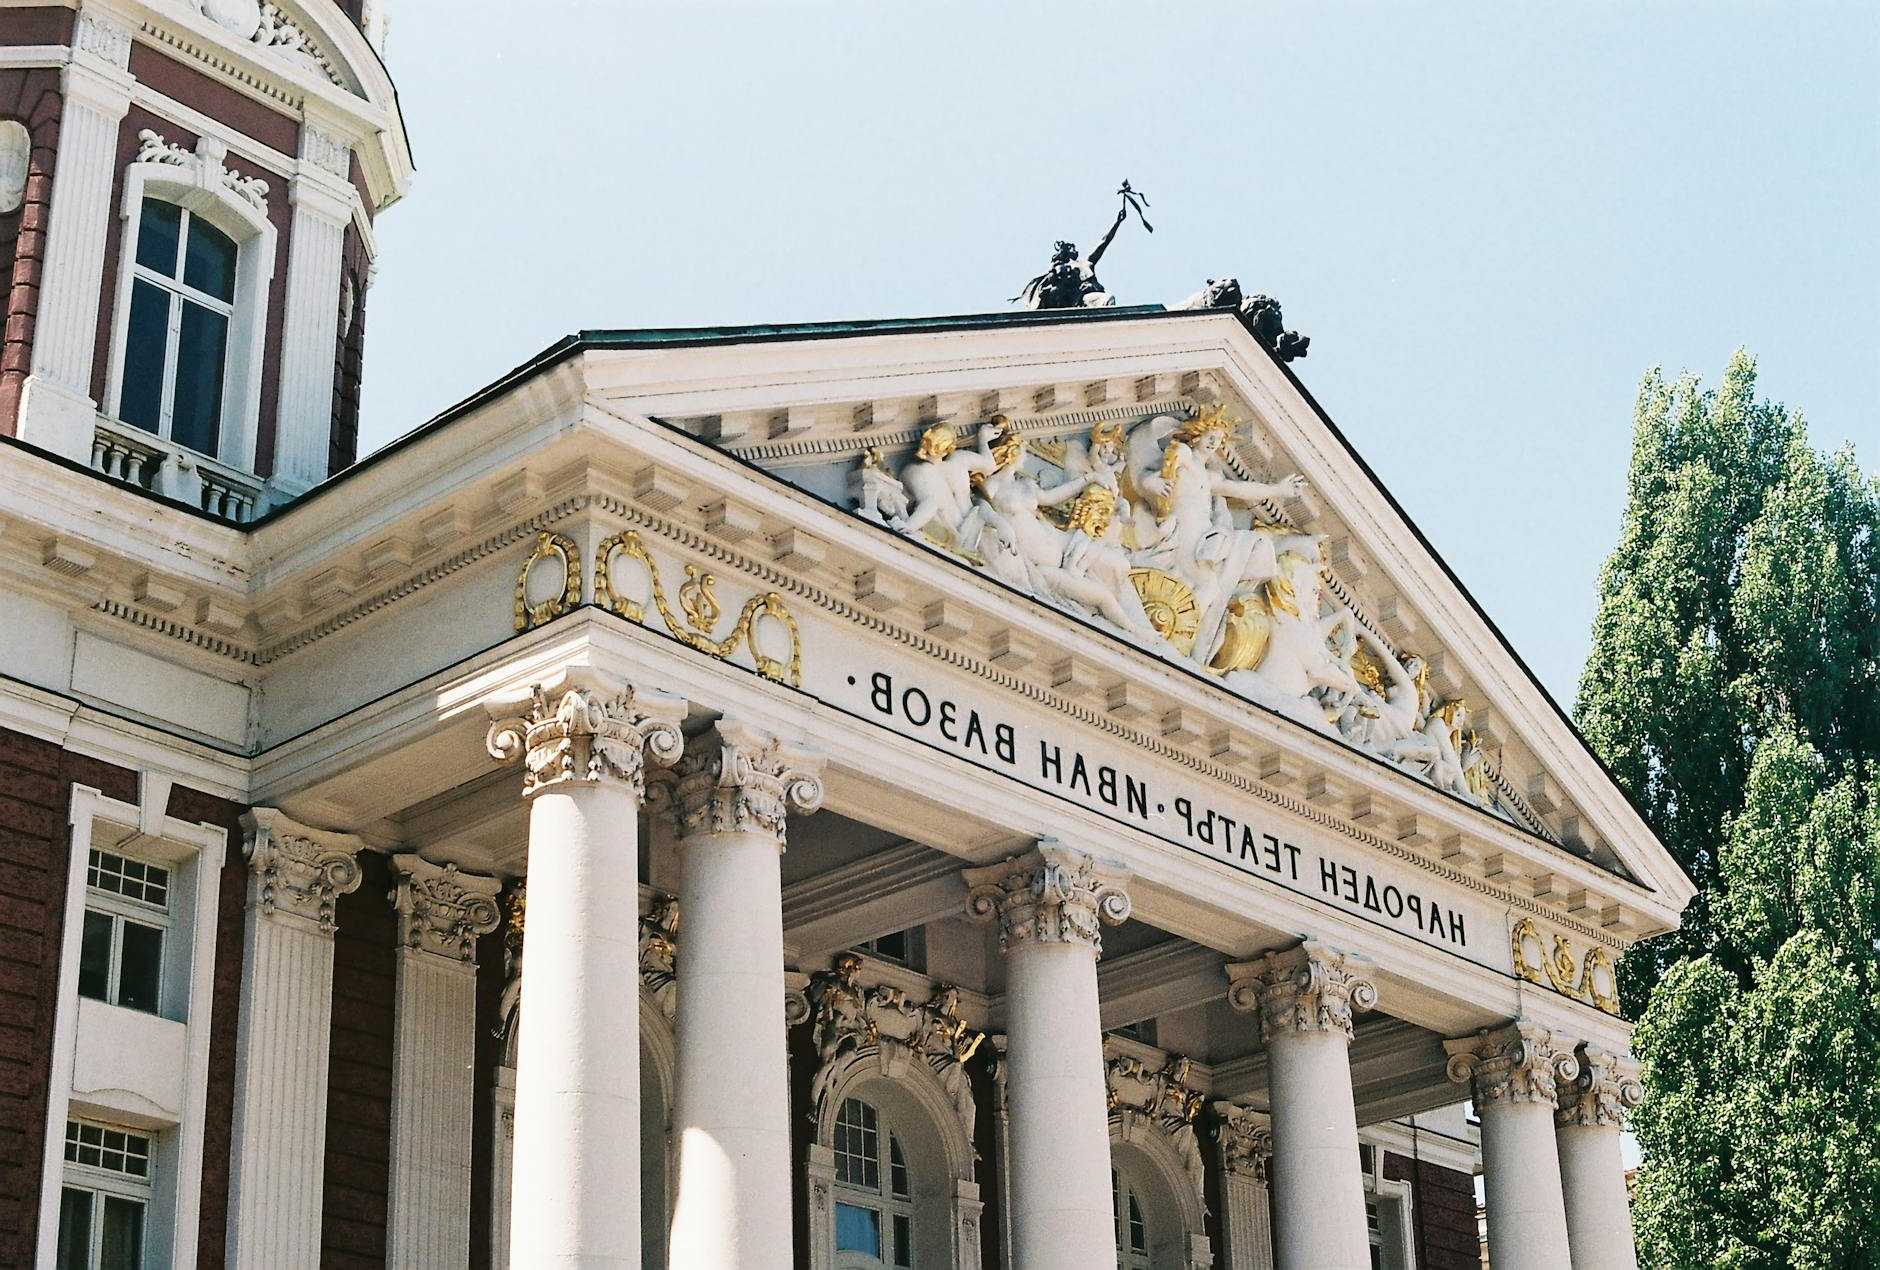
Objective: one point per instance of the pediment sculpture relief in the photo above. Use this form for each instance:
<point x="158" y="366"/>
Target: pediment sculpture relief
<point x="1146" y="529"/>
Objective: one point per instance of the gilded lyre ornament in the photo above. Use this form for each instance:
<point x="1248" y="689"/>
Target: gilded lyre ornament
<point x="565" y="599"/>
<point x="1590" y="978"/>
<point x="700" y="610"/>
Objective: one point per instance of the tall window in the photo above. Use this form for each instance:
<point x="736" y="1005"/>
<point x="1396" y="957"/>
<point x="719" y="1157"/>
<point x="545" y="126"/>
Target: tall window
<point x="176" y="341"/>
<point x="106" y="1195"/>
<point x="1132" y="1230"/>
<point x="874" y="1205"/>
<point x="1374" y="1231"/>
<point x="127" y="914"/>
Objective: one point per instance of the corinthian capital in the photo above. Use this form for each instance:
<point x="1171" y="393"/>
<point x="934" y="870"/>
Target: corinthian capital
<point x="1606" y="1088"/>
<point x="442" y="911"/>
<point x="1246" y="1139"/>
<point x="1308" y="988"/>
<point x="736" y="778"/>
<point x="1522" y="1062"/>
<point x="589" y="731"/>
<point x="1050" y="895"/>
<point x="300" y="873"/>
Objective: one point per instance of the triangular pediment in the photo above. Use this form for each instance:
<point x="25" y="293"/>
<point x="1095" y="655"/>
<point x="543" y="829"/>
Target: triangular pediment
<point x="1131" y="471"/>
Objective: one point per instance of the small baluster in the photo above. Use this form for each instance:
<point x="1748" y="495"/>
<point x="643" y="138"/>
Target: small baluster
<point x="98" y="451"/>
<point x="134" y="467"/>
<point x="212" y="499"/>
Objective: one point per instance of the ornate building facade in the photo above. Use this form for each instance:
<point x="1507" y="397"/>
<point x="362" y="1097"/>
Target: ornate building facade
<point x="1003" y="790"/>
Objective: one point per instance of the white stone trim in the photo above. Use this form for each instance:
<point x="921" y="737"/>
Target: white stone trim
<point x="200" y="184"/>
<point x="196" y="852"/>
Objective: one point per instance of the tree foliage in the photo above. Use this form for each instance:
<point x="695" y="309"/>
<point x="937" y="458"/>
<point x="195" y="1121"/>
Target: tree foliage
<point x="1732" y="688"/>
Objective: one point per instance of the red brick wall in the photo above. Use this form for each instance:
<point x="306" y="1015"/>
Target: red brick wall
<point x="1442" y="1213"/>
<point x="35" y="854"/>
<point x="32" y="97"/>
<point x="349" y="357"/>
<point x="359" y="1079"/>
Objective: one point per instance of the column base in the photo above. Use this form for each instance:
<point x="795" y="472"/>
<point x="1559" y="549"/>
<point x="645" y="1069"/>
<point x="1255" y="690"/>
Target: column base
<point x="56" y="419"/>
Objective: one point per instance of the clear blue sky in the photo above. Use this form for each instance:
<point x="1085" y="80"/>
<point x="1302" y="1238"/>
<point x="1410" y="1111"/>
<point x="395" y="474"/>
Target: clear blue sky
<point x="1490" y="218"/>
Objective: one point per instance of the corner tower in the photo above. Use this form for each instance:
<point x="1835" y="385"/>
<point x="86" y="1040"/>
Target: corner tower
<point x="187" y="195"/>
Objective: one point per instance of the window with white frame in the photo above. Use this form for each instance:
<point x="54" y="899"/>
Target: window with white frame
<point x="127" y="921"/>
<point x="105" y="1199"/>
<point x="874" y="1192"/>
<point x="1132" y="1227"/>
<point x="176" y="337"/>
<point x="1386" y="1213"/>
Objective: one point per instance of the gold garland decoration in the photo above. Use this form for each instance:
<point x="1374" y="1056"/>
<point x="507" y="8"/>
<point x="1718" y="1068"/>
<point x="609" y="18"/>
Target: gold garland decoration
<point x="529" y="616"/>
<point x="701" y="610"/>
<point x="1565" y="973"/>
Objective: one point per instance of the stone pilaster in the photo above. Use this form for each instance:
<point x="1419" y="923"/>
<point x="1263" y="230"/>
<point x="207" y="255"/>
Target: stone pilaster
<point x="1514" y="1073"/>
<point x="441" y="912"/>
<point x="1592" y="1111"/>
<point x="1305" y="997"/>
<point x="1049" y="904"/>
<point x="56" y="410"/>
<point x="583" y="742"/>
<point x="322" y="202"/>
<point x="1244" y="1144"/>
<point x="296" y="877"/>
<point x="734" y="790"/>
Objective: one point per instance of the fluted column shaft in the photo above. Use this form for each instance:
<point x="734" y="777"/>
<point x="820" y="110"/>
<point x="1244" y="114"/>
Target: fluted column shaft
<point x="440" y="914"/>
<point x="311" y="317"/>
<point x="57" y="411"/>
<point x="1305" y="997"/>
<point x="283" y="1041"/>
<point x="1513" y="1072"/>
<point x="1048" y="904"/>
<point x="1592" y="1172"/>
<point x="575" y="1194"/>
<point x="733" y="792"/>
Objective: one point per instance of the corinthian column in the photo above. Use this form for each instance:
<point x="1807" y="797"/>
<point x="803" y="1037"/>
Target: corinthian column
<point x="1513" y="1072"/>
<point x="440" y="914"/>
<point x="1592" y="1174"/>
<point x="1246" y="1151"/>
<point x="1048" y="904"/>
<point x="575" y="1197"/>
<point x="735" y="788"/>
<point x="1305" y="997"/>
<point x="282" y="1043"/>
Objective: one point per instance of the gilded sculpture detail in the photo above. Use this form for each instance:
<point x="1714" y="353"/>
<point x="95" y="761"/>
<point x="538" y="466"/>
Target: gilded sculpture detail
<point x="1590" y="978"/>
<point x="1149" y="530"/>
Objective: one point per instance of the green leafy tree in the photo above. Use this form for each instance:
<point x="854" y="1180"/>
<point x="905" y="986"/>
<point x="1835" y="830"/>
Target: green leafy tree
<point x="1734" y="688"/>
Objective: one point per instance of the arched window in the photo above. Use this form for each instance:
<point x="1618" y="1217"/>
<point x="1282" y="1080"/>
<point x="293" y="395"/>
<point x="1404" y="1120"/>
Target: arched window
<point x="192" y="299"/>
<point x="874" y="1192"/>
<point x="176" y="338"/>
<point x="1132" y="1225"/>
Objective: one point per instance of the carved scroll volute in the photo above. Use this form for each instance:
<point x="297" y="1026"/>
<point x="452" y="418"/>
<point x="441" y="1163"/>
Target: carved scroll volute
<point x="1051" y="894"/>
<point x="1522" y="1062"/>
<point x="738" y="778"/>
<point x="1307" y="988"/>
<point x="587" y="729"/>
<point x="1602" y="1092"/>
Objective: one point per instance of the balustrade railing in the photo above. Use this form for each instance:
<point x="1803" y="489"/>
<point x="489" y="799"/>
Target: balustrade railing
<point x="149" y="462"/>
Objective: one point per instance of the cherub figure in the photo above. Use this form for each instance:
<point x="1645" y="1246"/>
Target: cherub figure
<point x="939" y="485"/>
<point x="878" y="494"/>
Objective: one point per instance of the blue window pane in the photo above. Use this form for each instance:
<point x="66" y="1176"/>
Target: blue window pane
<point x="140" y="967"/>
<point x="858" y="1230"/>
<point x="141" y="402"/>
<point x="74" y="1230"/>
<point x="94" y="957"/>
<point x="209" y="260"/>
<point x="196" y="418"/>
<point x="158" y="229"/>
